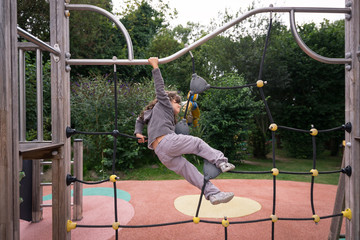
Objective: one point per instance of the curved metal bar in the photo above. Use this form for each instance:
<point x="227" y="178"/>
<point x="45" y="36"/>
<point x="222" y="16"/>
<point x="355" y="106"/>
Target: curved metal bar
<point x="40" y="43"/>
<point x="310" y="52"/>
<point x="86" y="7"/>
<point x="208" y="37"/>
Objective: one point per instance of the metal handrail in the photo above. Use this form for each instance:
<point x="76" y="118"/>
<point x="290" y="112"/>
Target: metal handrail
<point x="208" y="37"/>
<point x="86" y="7"/>
<point x="310" y="52"/>
<point x="28" y="36"/>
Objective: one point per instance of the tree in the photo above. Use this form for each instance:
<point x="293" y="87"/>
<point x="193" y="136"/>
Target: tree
<point x="33" y="16"/>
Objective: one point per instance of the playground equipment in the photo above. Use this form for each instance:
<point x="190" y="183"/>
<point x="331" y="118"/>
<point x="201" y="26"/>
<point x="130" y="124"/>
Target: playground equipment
<point x="12" y="151"/>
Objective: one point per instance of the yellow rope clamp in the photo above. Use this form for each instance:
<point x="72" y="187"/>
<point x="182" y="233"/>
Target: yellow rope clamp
<point x="314" y="172"/>
<point x="113" y="178"/>
<point x="275" y="171"/>
<point x="225" y="222"/>
<point x="273" y="127"/>
<point x="260" y="83"/>
<point x="115" y="225"/>
<point x="316" y="218"/>
<point x="70" y="225"/>
<point x="196" y="220"/>
<point x="313" y="132"/>
<point x="347" y="213"/>
<point x="274" y="218"/>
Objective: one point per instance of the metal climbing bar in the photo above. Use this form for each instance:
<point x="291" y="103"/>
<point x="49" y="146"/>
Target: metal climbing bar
<point x="310" y="52"/>
<point x="85" y="7"/>
<point x="28" y="36"/>
<point x="210" y="36"/>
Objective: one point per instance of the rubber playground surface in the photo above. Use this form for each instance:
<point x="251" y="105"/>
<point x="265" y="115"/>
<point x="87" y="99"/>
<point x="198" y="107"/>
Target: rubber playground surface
<point x="156" y="202"/>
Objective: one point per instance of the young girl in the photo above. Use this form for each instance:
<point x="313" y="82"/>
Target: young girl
<point x="160" y="116"/>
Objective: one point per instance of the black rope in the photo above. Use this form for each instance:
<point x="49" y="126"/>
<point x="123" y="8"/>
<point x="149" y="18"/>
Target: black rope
<point x="264" y="52"/>
<point x="235" y="87"/>
<point x="187" y="105"/>
<point x="226" y="233"/>
<point x="114" y="150"/>
<point x="155" y="225"/>
<point x="208" y="221"/>
<point x="250" y="172"/>
<point x="295" y="129"/>
<point x="114" y="133"/>
<point x="308" y="131"/>
<point x="91" y="183"/>
<point x="252" y="221"/>
<point x="202" y="193"/>
<point x="331" y="129"/>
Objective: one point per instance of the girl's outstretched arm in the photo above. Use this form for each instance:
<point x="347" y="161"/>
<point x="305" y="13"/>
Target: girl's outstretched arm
<point x="161" y="95"/>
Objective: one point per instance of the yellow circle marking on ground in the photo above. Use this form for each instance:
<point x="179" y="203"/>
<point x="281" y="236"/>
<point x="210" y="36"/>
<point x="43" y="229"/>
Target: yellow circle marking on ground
<point x="237" y="207"/>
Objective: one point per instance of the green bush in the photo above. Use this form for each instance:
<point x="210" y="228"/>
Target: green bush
<point x="92" y="110"/>
<point x="227" y="116"/>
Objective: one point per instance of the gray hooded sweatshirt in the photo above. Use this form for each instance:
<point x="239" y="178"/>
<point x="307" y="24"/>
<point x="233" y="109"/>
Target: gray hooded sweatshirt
<point x="160" y="119"/>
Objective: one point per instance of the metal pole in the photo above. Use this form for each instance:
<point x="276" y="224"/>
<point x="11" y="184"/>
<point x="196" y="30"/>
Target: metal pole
<point x="37" y="41"/>
<point x="85" y="7"/>
<point x="308" y="51"/>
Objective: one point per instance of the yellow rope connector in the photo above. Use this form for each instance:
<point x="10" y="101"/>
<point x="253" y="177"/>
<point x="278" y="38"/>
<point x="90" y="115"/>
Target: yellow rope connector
<point x="113" y="178"/>
<point x="316" y="218"/>
<point x="70" y="225"/>
<point x="115" y="225"/>
<point x="275" y="171"/>
<point x="273" y="127"/>
<point x="274" y="218"/>
<point x="314" y="172"/>
<point x="260" y="83"/>
<point x="347" y="213"/>
<point x="196" y="220"/>
<point x="225" y="222"/>
<point x="313" y="132"/>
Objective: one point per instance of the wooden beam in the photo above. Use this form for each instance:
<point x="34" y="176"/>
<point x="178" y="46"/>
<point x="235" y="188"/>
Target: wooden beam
<point x="352" y="110"/>
<point x="9" y="153"/>
<point x="60" y="117"/>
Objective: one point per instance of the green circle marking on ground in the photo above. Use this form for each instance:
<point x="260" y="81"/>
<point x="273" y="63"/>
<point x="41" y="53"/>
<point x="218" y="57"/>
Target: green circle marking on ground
<point x="237" y="207"/>
<point x="100" y="191"/>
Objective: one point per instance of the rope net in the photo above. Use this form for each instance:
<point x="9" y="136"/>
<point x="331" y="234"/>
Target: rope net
<point x="274" y="171"/>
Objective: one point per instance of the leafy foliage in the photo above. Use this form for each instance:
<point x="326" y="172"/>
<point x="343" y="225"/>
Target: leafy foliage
<point x="227" y="116"/>
<point x="92" y="106"/>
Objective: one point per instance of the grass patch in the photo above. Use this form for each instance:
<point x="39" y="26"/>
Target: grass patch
<point x="324" y="162"/>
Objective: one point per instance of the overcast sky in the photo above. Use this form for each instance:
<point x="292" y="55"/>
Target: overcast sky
<point x="202" y="11"/>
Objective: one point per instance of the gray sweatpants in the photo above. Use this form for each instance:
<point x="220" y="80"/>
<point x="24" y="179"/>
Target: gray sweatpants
<point x="173" y="146"/>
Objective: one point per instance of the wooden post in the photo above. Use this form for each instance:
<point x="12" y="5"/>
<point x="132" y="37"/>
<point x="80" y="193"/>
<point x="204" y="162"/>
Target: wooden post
<point x="339" y="205"/>
<point x="9" y="134"/>
<point x="352" y="109"/>
<point x="60" y="117"/>
<point x="36" y="191"/>
<point x="78" y="173"/>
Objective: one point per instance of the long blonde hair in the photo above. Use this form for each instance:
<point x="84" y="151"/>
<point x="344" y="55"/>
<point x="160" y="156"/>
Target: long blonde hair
<point x="172" y="96"/>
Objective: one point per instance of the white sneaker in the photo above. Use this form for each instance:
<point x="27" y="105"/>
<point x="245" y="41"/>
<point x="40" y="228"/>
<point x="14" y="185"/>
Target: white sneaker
<point x="225" y="166"/>
<point x="221" y="197"/>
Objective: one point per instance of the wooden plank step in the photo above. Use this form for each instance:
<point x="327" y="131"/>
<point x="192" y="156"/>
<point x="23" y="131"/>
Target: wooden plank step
<point x="39" y="150"/>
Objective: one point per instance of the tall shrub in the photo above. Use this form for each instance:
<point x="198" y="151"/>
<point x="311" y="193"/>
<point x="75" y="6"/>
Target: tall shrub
<point x="92" y="110"/>
<point x="227" y="116"/>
